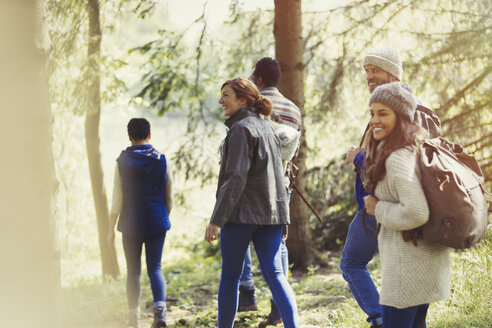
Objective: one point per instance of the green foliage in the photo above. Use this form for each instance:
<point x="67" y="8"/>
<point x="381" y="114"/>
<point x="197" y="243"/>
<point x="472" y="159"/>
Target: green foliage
<point x="181" y="77"/>
<point x="145" y="7"/>
<point x="69" y="63"/>
<point x="331" y="190"/>
<point x="167" y="72"/>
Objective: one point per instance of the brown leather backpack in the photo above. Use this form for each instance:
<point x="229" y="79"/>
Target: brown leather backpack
<point x="454" y="187"/>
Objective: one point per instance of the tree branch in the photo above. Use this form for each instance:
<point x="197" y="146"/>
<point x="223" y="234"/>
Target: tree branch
<point x="460" y="94"/>
<point x="465" y="113"/>
<point x="469" y="127"/>
<point x="482" y="139"/>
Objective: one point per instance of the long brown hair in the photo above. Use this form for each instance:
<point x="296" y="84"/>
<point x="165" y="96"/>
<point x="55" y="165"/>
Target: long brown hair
<point x="247" y="90"/>
<point x="404" y="134"/>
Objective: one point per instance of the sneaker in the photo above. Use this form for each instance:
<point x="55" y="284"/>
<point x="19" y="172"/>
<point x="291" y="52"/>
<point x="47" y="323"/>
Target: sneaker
<point x="159" y="317"/>
<point x="378" y="323"/>
<point x="274" y="316"/>
<point x="247" y="300"/>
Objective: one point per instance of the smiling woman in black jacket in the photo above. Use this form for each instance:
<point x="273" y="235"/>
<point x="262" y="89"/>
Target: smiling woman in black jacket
<point x="251" y="200"/>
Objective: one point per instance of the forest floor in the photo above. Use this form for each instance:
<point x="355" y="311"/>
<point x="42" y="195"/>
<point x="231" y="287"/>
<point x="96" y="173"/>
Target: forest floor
<point x="323" y="297"/>
<point x="191" y="268"/>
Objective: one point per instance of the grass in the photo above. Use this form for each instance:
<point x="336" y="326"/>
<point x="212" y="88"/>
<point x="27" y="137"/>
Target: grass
<point x="192" y="271"/>
<point x="470" y="304"/>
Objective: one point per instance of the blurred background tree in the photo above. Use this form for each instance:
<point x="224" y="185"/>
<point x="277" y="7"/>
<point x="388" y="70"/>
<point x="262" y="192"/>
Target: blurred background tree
<point x="30" y="254"/>
<point x="93" y="115"/>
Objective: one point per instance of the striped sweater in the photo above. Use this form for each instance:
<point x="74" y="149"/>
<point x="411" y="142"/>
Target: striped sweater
<point x="411" y="275"/>
<point x="283" y="107"/>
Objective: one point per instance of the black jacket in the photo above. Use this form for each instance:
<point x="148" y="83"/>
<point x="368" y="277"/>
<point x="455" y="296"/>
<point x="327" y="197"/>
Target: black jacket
<point x="250" y="188"/>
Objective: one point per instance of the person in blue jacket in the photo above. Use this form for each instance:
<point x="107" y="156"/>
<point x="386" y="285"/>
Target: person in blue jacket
<point x="142" y="199"/>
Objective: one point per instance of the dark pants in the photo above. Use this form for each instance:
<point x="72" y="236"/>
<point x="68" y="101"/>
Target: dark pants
<point x="153" y="253"/>
<point x="410" y="317"/>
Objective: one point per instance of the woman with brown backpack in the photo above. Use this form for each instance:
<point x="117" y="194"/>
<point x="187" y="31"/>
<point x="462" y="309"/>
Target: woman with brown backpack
<point x="412" y="276"/>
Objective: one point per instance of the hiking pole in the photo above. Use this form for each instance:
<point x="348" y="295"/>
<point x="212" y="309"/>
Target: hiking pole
<point x="291" y="174"/>
<point x="306" y="202"/>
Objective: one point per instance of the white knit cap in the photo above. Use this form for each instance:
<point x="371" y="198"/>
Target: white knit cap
<point x="386" y="58"/>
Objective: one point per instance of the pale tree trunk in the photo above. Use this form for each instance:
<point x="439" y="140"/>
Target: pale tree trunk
<point x="30" y="258"/>
<point x="289" y="49"/>
<point x="93" y="114"/>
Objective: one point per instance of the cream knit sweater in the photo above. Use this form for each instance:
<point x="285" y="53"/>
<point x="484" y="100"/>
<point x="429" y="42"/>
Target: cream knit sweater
<point x="411" y="275"/>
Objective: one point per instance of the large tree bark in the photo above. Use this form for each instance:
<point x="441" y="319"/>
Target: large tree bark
<point x="108" y="254"/>
<point x="289" y="49"/>
<point x="30" y="273"/>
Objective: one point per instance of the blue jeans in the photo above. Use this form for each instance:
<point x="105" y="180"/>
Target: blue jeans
<point x="234" y="241"/>
<point x="246" y="279"/>
<point x="359" y="249"/>
<point x="410" y="317"/>
<point x="153" y="253"/>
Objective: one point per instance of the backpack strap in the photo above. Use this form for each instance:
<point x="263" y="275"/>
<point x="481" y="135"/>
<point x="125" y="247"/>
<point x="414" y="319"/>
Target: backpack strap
<point x="431" y="113"/>
<point x="429" y="120"/>
<point x="364" y="135"/>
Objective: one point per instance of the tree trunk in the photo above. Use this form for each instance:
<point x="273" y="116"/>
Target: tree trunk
<point x="289" y="49"/>
<point x="108" y="254"/>
<point x="30" y="278"/>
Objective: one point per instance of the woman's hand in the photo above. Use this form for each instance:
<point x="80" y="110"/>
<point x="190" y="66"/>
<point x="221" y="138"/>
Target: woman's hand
<point x="211" y="232"/>
<point x="370" y="204"/>
<point x="351" y="153"/>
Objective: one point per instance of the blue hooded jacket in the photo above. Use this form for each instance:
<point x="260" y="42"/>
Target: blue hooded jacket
<point x="143" y="182"/>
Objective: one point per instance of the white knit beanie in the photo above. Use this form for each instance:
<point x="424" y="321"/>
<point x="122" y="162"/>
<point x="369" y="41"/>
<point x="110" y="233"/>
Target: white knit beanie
<point x="396" y="96"/>
<point x="386" y="58"/>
